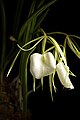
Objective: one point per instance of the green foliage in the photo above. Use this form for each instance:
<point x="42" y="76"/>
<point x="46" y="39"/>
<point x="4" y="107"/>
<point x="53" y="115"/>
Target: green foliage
<point x="35" y="17"/>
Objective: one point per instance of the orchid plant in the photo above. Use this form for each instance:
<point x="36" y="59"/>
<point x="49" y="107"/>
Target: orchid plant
<point x="45" y="55"/>
<point x="51" y="60"/>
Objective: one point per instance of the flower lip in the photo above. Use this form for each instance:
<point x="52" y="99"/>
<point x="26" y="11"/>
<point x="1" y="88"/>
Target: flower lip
<point x="42" y="64"/>
<point x="36" y="65"/>
<point x="64" y="75"/>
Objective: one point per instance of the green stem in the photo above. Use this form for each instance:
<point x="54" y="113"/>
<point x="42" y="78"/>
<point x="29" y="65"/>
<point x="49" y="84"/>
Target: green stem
<point x="54" y="42"/>
<point x="43" y="42"/>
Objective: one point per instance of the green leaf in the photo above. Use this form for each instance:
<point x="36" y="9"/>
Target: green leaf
<point x="40" y="19"/>
<point x="32" y="8"/>
<point x="73" y="46"/>
<point x="17" y="16"/>
<point x="13" y="63"/>
<point x="40" y="4"/>
<point x="3" y="45"/>
<point x="38" y="12"/>
<point x="30" y="26"/>
<point x="24" y="76"/>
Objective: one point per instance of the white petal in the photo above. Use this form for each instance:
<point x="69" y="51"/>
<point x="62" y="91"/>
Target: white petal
<point x="42" y="65"/>
<point x="36" y="65"/>
<point x="63" y="76"/>
<point x="49" y="64"/>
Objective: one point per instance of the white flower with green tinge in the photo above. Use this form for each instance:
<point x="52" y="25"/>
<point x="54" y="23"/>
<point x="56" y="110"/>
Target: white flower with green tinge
<point x="42" y="64"/>
<point x="63" y="74"/>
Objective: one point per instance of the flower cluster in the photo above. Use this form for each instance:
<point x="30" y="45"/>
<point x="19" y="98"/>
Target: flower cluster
<point x="45" y="64"/>
<point x="48" y="63"/>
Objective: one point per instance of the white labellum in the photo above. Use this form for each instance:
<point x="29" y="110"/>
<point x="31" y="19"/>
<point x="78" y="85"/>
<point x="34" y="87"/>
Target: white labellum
<point x="63" y="74"/>
<point x="42" y="64"/>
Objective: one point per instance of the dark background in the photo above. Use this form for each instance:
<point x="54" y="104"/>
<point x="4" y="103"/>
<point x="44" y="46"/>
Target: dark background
<point x="64" y="16"/>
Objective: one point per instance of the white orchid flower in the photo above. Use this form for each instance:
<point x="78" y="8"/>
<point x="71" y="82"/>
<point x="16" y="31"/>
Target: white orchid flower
<point x="42" y="64"/>
<point x="63" y="74"/>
